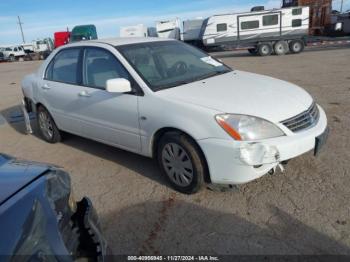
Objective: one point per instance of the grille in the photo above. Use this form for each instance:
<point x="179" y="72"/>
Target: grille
<point x="303" y="121"/>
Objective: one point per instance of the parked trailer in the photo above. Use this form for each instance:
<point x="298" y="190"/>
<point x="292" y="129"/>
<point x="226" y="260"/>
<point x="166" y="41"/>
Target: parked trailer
<point x="169" y="29"/>
<point x="192" y="30"/>
<point x="277" y="30"/>
<point x="134" y="31"/>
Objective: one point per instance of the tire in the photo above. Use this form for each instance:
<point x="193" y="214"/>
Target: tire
<point x="181" y="162"/>
<point x="281" y="48"/>
<point x="296" y="46"/>
<point x="12" y="58"/>
<point x="253" y="51"/>
<point x="47" y="126"/>
<point x="264" y="49"/>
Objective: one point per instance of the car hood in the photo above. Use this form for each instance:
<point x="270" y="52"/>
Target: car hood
<point x="15" y="174"/>
<point x="246" y="93"/>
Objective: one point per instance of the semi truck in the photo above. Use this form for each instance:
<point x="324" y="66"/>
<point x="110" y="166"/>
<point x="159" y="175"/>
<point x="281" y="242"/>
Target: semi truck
<point x="61" y="38"/>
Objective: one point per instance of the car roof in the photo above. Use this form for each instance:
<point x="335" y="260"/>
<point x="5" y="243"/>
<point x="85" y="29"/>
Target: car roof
<point x="118" y="41"/>
<point x="16" y="174"/>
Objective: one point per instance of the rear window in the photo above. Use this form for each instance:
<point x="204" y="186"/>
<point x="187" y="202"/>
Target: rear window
<point x="250" y="25"/>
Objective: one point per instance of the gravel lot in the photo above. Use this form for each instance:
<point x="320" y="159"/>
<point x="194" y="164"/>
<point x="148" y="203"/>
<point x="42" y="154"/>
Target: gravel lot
<point x="302" y="211"/>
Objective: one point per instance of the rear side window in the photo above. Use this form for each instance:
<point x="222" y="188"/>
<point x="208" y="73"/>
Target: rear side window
<point x="296" y="22"/>
<point x="221" y="27"/>
<point x="297" y="11"/>
<point x="64" y="67"/>
<point x="250" y="25"/>
<point x="99" y="66"/>
<point x="270" y="20"/>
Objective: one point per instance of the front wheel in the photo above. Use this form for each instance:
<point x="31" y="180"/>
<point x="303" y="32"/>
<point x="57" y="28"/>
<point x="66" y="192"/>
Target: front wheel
<point x="47" y="127"/>
<point x="181" y="161"/>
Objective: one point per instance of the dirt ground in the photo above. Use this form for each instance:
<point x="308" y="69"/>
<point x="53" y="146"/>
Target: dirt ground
<point x="302" y="211"/>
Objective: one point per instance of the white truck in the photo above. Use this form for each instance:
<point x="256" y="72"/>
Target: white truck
<point x="13" y="53"/>
<point x="39" y="49"/>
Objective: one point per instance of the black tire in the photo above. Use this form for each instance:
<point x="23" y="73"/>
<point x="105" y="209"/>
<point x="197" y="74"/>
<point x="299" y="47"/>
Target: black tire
<point x="193" y="154"/>
<point x="12" y="58"/>
<point x="56" y="134"/>
<point x="296" y="46"/>
<point x="253" y="51"/>
<point x="281" y="48"/>
<point x="264" y="49"/>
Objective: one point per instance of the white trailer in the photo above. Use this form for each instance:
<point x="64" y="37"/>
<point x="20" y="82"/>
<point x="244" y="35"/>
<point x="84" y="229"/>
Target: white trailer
<point x="134" y="31"/>
<point x="278" y="30"/>
<point x="169" y="29"/>
<point x="192" y="30"/>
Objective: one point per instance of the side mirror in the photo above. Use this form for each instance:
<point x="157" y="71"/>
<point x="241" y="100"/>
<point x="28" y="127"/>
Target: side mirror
<point x="118" y="85"/>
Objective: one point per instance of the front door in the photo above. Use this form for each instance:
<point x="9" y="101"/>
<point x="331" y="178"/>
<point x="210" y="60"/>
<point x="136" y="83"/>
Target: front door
<point x="111" y="118"/>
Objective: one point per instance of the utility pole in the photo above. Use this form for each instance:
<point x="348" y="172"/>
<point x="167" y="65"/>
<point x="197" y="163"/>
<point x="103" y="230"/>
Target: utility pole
<point x="20" y="26"/>
<point x="341" y="6"/>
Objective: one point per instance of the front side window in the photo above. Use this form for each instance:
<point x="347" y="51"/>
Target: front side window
<point x="64" y="67"/>
<point x="250" y="25"/>
<point x="15" y="49"/>
<point x="167" y="64"/>
<point x="269" y="20"/>
<point x="221" y="27"/>
<point x="99" y="66"/>
<point x="296" y="22"/>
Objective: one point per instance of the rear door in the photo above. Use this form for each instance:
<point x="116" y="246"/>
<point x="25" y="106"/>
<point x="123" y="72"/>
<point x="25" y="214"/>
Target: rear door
<point x="61" y="89"/>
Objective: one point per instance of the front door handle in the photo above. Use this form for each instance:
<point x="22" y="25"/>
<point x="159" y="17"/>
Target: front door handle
<point x="45" y="87"/>
<point x="84" y="93"/>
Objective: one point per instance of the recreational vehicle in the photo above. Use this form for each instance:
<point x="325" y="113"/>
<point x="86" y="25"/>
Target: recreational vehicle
<point x="192" y="31"/>
<point x="278" y="30"/>
<point x="169" y="29"/>
<point x="134" y="31"/>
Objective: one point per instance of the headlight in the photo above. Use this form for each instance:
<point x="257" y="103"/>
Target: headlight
<point x="248" y="128"/>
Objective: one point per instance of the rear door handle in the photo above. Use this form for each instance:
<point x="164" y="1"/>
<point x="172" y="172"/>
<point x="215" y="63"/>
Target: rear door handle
<point x="45" y="87"/>
<point x="84" y="93"/>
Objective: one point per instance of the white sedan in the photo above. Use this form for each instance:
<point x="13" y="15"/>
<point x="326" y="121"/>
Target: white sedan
<point x="202" y="121"/>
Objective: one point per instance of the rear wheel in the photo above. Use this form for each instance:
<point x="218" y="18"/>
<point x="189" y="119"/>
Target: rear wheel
<point x="264" y="49"/>
<point x="12" y="58"/>
<point x="48" y="129"/>
<point x="181" y="161"/>
<point x="281" y="48"/>
<point x="296" y="46"/>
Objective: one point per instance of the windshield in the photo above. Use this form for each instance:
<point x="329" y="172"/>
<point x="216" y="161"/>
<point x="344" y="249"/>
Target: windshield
<point x="168" y="64"/>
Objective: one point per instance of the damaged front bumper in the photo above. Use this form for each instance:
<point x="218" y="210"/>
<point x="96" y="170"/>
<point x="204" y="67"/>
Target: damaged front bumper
<point x="235" y="162"/>
<point x="92" y="244"/>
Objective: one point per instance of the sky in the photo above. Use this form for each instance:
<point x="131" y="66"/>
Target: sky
<point x="42" y="18"/>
